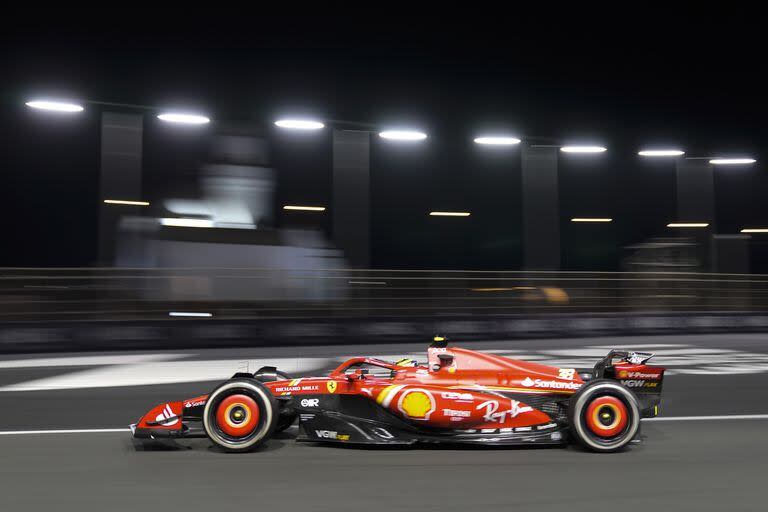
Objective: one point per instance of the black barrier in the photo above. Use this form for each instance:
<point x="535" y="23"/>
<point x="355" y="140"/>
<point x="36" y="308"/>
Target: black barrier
<point x="210" y="333"/>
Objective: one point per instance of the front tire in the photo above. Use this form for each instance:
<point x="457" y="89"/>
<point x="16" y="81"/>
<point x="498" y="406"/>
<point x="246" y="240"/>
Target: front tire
<point x="240" y="415"/>
<point x="604" y="416"/>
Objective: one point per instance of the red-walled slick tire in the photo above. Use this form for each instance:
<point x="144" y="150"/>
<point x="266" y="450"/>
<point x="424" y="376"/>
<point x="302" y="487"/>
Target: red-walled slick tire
<point x="240" y="415"/>
<point x="604" y="416"/>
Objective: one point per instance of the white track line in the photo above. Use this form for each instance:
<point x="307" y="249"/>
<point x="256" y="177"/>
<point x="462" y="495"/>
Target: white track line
<point x="73" y="431"/>
<point x="112" y="430"/>
<point x="711" y="418"/>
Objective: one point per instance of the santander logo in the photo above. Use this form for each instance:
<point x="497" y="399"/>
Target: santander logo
<point x="549" y="384"/>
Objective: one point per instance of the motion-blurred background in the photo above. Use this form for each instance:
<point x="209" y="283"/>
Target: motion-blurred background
<point x="256" y="231"/>
<point x="187" y="191"/>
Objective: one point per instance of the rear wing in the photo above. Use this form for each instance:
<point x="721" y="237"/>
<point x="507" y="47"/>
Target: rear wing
<point x="619" y="356"/>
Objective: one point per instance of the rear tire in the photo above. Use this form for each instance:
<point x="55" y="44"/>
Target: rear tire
<point x="604" y="416"/>
<point x="240" y="415"/>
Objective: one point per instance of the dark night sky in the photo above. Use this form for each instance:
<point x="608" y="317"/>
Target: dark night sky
<point x="617" y="76"/>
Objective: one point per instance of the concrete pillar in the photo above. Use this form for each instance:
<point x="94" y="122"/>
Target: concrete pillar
<point x="120" y="174"/>
<point x="695" y="192"/>
<point x="541" y="212"/>
<point x="351" y="196"/>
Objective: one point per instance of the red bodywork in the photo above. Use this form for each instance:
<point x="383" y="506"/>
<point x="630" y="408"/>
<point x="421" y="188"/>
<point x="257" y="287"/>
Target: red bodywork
<point x="456" y="389"/>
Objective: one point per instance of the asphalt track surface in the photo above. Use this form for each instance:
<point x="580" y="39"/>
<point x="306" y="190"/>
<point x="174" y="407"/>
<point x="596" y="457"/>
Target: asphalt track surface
<point x="705" y="464"/>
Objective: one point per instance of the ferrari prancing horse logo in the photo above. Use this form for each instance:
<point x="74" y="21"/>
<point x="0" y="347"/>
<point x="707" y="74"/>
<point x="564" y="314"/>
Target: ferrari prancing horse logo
<point x="331" y="385"/>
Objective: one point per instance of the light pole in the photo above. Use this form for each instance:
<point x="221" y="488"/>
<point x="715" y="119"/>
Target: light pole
<point x="351" y="210"/>
<point x="121" y="155"/>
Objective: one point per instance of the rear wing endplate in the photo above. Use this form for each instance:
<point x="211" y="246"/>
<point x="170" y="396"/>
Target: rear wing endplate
<point x="622" y="355"/>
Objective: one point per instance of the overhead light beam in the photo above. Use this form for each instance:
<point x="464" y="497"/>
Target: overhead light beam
<point x="497" y="140"/>
<point x="583" y="149"/>
<point x="54" y="106"/>
<point x="403" y="135"/>
<point x="304" y="208"/>
<point x="661" y="152"/>
<point x="688" y="225"/>
<point x="300" y="124"/>
<point x="126" y="202"/>
<point x="732" y="161"/>
<point x="449" y="214"/>
<point x="179" y="118"/>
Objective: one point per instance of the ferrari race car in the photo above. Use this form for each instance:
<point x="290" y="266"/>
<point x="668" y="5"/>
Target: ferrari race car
<point x="457" y="396"/>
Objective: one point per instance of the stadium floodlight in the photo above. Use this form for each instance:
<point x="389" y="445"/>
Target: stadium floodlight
<point x="497" y="140"/>
<point x="179" y="118"/>
<point x="732" y="161"/>
<point x="54" y="106"/>
<point x="583" y="149"/>
<point x="178" y="222"/>
<point x="754" y="230"/>
<point x="688" y="225"/>
<point x="449" y="214"/>
<point x="403" y="135"/>
<point x="304" y="208"/>
<point x="661" y="152"/>
<point x="591" y="219"/>
<point x="126" y="202"/>
<point x="299" y="124"/>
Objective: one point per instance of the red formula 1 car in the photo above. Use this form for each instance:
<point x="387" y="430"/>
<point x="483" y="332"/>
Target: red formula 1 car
<point x="458" y="396"/>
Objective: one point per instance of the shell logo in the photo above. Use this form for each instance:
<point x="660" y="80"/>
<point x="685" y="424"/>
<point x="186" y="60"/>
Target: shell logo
<point x="416" y="404"/>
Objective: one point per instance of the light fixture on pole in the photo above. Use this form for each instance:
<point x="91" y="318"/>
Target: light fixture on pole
<point x="583" y="149"/>
<point x="180" y="118"/>
<point x="403" y="135"/>
<point x="55" y="106"/>
<point x="661" y="152"/>
<point x="299" y="124"/>
<point x="497" y="140"/>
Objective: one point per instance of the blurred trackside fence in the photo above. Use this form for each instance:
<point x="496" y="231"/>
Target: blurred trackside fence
<point x="67" y="309"/>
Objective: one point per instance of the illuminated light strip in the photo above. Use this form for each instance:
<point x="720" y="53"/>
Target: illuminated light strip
<point x="497" y="141"/>
<point x="405" y="135"/>
<point x="186" y="223"/>
<point x="583" y="149"/>
<point x="732" y="161"/>
<point x="55" y="106"/>
<point x="174" y="117"/>
<point x="300" y="124"/>
<point x="304" y="208"/>
<point x="591" y="219"/>
<point x="190" y="314"/>
<point x="123" y="201"/>
<point x="754" y="230"/>
<point x="688" y="225"/>
<point x="449" y="214"/>
<point x="661" y="152"/>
